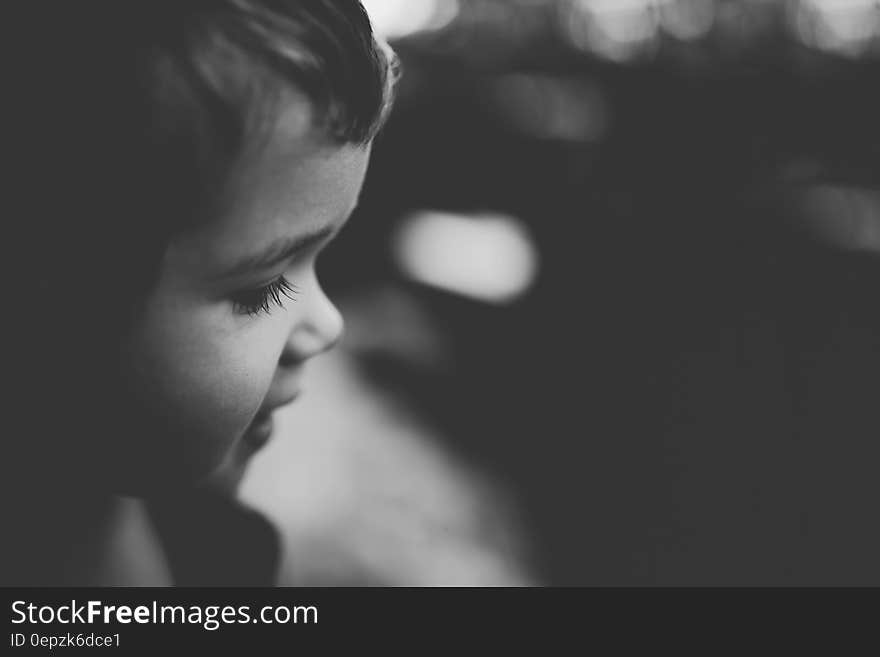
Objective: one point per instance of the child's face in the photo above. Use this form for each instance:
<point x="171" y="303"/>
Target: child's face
<point x="215" y="348"/>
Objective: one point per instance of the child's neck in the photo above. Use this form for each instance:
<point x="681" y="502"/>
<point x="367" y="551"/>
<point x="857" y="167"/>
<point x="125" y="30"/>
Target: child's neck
<point x="125" y="550"/>
<point x="95" y="540"/>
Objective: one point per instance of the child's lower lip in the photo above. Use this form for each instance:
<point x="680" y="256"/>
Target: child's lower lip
<point x="260" y="430"/>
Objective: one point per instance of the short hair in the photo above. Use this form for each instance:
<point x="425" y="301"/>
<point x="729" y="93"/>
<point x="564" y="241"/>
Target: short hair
<point x="213" y="68"/>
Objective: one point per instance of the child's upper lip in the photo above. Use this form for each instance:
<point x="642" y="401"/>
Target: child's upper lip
<point x="277" y="402"/>
<point x="283" y="392"/>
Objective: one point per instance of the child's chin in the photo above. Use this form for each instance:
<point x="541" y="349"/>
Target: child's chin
<point x="174" y="476"/>
<point x="172" y="461"/>
<point x="227" y="476"/>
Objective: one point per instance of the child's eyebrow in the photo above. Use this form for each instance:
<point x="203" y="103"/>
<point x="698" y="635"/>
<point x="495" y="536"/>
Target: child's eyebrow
<point x="278" y="252"/>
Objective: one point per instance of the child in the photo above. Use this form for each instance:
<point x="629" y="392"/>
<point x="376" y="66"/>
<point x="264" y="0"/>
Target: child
<point x="182" y="165"/>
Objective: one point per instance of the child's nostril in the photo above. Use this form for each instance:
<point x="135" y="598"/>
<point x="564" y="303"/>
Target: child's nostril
<point x="289" y="359"/>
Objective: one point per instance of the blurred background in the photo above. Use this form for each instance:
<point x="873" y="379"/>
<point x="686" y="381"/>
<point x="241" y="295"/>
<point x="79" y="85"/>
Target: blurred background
<point x="612" y="305"/>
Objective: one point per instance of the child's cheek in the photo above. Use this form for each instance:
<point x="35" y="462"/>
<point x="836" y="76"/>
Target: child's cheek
<point x="199" y="383"/>
<point x="218" y="388"/>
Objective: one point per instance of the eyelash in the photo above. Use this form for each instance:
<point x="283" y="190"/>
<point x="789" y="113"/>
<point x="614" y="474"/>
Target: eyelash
<point x="261" y="300"/>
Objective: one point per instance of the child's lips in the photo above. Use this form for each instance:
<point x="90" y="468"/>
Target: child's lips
<point x="270" y="405"/>
<point x="261" y="427"/>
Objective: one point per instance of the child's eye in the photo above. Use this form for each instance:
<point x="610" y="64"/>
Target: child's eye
<point x="253" y="302"/>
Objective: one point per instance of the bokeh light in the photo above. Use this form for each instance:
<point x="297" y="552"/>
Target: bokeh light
<point x="846" y="217"/>
<point x="843" y="27"/>
<point x="395" y="19"/>
<point x="687" y="20"/>
<point x="551" y="107"/>
<point x="615" y="29"/>
<point x="487" y="257"/>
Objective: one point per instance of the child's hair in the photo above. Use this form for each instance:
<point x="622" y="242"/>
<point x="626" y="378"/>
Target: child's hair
<point x="137" y="110"/>
<point x="212" y="72"/>
<point x="126" y="117"/>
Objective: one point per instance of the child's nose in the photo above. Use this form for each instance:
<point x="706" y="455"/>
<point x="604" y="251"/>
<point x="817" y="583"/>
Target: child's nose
<point x="319" y="328"/>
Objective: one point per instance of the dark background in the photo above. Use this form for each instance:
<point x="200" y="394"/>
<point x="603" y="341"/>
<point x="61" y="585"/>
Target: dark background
<point x="687" y="392"/>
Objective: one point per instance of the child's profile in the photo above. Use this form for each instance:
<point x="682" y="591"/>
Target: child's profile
<point x="182" y="166"/>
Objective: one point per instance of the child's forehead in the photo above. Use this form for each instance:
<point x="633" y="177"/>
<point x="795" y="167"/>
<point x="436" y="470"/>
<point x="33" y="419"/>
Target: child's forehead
<point x="296" y="157"/>
<point x="296" y="117"/>
<point x="299" y="181"/>
<point x="287" y="124"/>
